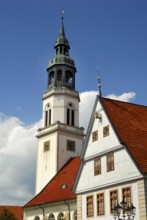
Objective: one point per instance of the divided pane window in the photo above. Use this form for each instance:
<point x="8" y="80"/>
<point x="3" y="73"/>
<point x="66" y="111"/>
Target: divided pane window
<point x="97" y="166"/>
<point x="110" y="162"/>
<point x="61" y="216"/>
<point x="106" y="131"/>
<point x="126" y="195"/>
<point x="113" y="200"/>
<point x="94" y="135"/>
<point x="100" y="204"/>
<point x="90" y="206"/>
<point x="51" y="217"/>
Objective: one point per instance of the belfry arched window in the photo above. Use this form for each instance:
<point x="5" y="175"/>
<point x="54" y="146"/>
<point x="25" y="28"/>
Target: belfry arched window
<point x="47" y="116"/>
<point x="70" y="117"/>
<point x="69" y="77"/>
<point x="61" y="216"/>
<point x="51" y="216"/>
<point x="59" y="75"/>
<point x="51" y="77"/>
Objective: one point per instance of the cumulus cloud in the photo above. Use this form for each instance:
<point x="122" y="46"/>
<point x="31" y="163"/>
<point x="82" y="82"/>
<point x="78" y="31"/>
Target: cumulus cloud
<point x="87" y="102"/>
<point x="126" y="97"/>
<point x="18" y="147"/>
<point x="17" y="160"/>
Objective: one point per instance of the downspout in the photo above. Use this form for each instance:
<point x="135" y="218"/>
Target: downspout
<point x="42" y="210"/>
<point x="68" y="208"/>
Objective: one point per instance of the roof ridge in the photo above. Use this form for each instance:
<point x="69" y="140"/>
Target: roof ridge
<point x="131" y="103"/>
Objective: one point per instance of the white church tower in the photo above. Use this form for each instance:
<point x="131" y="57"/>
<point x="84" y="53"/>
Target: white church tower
<point x="60" y="137"/>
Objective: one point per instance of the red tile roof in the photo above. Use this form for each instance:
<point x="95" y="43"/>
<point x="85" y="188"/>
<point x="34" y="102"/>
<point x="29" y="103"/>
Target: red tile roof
<point x="16" y="210"/>
<point x="53" y="190"/>
<point x="130" y="123"/>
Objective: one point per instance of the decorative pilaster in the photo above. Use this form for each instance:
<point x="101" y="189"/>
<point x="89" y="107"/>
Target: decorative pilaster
<point x="142" y="199"/>
<point x="79" y="207"/>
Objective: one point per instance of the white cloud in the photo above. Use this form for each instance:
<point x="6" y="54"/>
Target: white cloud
<point x="18" y="147"/>
<point x="126" y="97"/>
<point x="17" y="160"/>
<point x="87" y="102"/>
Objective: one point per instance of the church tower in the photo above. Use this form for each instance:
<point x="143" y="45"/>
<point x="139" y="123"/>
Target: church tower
<point x="60" y="137"/>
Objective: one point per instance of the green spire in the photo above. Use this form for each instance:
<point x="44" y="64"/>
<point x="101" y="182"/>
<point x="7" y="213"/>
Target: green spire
<point x="61" y="40"/>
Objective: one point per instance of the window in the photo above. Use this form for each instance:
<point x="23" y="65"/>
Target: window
<point x="126" y="195"/>
<point x="46" y="146"/>
<point x="71" y="146"/>
<point x="61" y="216"/>
<point x="113" y="200"/>
<point x="36" y="218"/>
<point x="90" y="206"/>
<point x="59" y="75"/>
<point x="47" y="115"/>
<point x="100" y="204"/>
<point x="51" y="78"/>
<point x="106" y="131"/>
<point x="97" y="166"/>
<point x="51" y="217"/>
<point x="68" y="77"/>
<point x="110" y="162"/>
<point x="70" y="114"/>
<point x="94" y="135"/>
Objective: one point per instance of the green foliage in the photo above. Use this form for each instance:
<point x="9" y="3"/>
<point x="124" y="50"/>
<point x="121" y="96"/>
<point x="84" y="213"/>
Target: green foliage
<point x="5" y="214"/>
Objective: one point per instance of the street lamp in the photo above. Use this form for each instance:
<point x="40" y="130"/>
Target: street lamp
<point x="124" y="211"/>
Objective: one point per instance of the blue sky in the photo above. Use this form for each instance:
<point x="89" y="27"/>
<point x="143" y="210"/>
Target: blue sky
<point x="107" y="33"/>
<point x="111" y="34"/>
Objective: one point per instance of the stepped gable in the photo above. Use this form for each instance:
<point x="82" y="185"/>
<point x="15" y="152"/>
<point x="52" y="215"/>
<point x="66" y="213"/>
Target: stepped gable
<point x="60" y="187"/>
<point x="130" y="123"/>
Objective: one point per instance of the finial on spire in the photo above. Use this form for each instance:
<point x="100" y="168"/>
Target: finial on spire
<point x="99" y="82"/>
<point x="62" y="14"/>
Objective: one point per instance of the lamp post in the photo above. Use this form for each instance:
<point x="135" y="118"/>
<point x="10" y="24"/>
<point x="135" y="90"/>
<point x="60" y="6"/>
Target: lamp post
<point x="124" y="212"/>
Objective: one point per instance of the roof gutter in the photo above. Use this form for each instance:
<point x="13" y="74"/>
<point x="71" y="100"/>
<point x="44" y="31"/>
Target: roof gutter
<point x="42" y="210"/>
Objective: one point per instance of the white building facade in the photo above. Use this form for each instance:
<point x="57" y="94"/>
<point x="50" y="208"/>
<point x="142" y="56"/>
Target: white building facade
<point x="108" y="173"/>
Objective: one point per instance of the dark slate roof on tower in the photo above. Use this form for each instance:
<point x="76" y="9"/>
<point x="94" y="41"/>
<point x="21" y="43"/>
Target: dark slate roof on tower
<point x="60" y="187"/>
<point x="62" y="38"/>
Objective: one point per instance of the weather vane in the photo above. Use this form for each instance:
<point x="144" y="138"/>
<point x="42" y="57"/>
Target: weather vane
<point x="99" y="82"/>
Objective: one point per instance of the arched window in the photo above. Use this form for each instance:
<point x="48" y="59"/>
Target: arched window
<point x="47" y="117"/>
<point x="69" y="77"/>
<point x="70" y="117"/>
<point x="75" y="215"/>
<point x="37" y="218"/>
<point x="51" y="217"/>
<point x="51" y="77"/>
<point x="59" y="75"/>
<point x="61" y="216"/>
